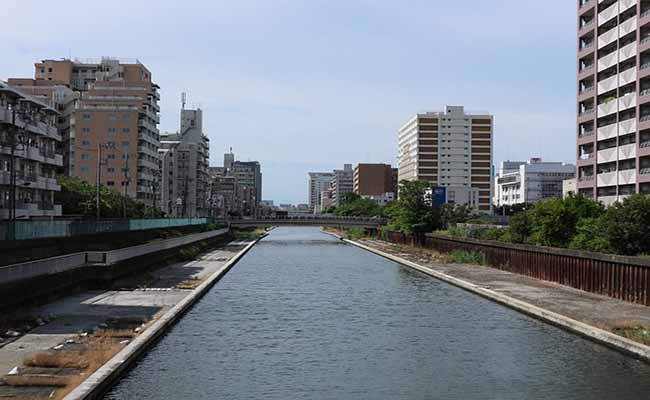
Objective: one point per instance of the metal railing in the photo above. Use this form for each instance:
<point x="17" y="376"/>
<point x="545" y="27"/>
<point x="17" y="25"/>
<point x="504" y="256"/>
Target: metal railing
<point x="620" y="277"/>
<point x="27" y="230"/>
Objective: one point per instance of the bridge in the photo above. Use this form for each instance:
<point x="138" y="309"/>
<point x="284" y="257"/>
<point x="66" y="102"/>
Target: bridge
<point x="308" y="220"/>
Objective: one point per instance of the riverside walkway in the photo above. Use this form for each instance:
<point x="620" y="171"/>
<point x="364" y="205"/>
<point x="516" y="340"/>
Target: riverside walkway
<point x="619" y="317"/>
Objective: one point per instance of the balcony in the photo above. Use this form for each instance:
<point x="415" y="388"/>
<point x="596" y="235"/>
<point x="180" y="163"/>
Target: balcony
<point x="627" y="52"/>
<point x="627" y="101"/>
<point x="627" y="151"/>
<point x="626" y="127"/>
<point x="627" y="76"/>
<point x="607" y="179"/>
<point x="608" y="37"/>
<point x="586" y="178"/>
<point x="627" y="27"/>
<point x="608" y="200"/>
<point x="608" y="131"/>
<point x="607" y="155"/>
<point x="609" y="13"/>
<point x="607" y="108"/>
<point x="627" y="177"/>
<point x="608" y="84"/>
<point x="608" y="61"/>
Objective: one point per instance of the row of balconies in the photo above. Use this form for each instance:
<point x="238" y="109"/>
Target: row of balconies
<point x="35" y="154"/>
<point x="30" y="180"/>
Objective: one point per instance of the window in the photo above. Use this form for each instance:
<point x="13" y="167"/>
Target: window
<point x="110" y="157"/>
<point x="112" y="117"/>
<point x="125" y="144"/>
<point x="85" y="143"/>
<point x="84" y="170"/>
<point x="126" y="116"/>
<point x="126" y="130"/>
<point x="86" y="116"/>
<point x="112" y="130"/>
<point x="85" y="130"/>
<point x="111" y="170"/>
<point x="85" y="157"/>
<point x="110" y="183"/>
<point x="110" y="145"/>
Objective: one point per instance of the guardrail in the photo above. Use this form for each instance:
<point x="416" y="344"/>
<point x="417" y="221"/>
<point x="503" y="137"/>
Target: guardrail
<point x="54" y="265"/>
<point x="620" y="277"/>
<point x="26" y="230"/>
<point x="308" y="220"/>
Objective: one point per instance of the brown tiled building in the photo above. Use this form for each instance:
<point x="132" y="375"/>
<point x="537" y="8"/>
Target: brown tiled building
<point x="376" y="181"/>
<point x="109" y="108"/>
<point x="613" y="123"/>
<point x="451" y="149"/>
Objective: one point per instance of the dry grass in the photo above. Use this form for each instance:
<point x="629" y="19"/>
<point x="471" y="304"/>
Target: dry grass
<point x="421" y="254"/>
<point x="101" y="347"/>
<point x="192" y="283"/>
<point x="37" y="380"/>
<point x="640" y="334"/>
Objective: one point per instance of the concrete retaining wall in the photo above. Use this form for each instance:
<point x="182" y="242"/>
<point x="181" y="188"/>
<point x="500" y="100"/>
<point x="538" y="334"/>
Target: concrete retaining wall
<point x="54" y="265"/>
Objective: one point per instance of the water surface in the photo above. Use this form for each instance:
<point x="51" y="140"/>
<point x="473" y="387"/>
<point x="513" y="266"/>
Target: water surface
<point x="304" y="316"/>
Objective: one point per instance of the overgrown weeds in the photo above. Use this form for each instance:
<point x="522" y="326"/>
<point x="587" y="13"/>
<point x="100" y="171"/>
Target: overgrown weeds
<point x="468" y="257"/>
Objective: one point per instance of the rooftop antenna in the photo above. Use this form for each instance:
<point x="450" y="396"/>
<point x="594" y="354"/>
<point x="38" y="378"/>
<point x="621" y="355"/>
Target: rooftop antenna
<point x="183" y="100"/>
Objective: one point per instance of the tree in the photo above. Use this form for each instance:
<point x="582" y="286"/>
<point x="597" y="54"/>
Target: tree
<point x="625" y="226"/>
<point x="353" y="205"/>
<point x="78" y="197"/>
<point x="554" y="221"/>
<point x="457" y="214"/>
<point x="414" y="212"/>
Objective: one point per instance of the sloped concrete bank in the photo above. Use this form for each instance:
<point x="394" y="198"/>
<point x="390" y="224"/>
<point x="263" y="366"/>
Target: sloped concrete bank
<point x="102" y="379"/>
<point x="582" y="328"/>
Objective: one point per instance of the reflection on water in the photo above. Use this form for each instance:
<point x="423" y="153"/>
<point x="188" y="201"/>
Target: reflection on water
<point x="304" y="316"/>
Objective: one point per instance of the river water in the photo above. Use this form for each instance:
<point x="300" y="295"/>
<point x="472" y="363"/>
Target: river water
<point x="304" y="316"/>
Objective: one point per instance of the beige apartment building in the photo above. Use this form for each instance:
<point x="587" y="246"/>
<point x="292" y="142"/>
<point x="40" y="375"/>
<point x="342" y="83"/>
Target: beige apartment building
<point x="109" y="118"/>
<point x="613" y="123"/>
<point x="450" y="149"/>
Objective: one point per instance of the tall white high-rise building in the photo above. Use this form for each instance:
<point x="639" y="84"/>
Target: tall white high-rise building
<point x="450" y="149"/>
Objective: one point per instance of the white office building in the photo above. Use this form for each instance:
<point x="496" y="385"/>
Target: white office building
<point x="527" y="182"/>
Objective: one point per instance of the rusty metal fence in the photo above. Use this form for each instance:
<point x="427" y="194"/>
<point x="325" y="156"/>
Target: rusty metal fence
<point x="620" y="277"/>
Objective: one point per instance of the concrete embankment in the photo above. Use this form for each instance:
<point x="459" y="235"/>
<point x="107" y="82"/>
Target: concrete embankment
<point x="104" y="377"/>
<point x="25" y="281"/>
<point x="592" y="316"/>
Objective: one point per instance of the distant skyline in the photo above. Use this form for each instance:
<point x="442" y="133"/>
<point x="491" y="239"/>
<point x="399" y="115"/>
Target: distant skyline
<point x="308" y="86"/>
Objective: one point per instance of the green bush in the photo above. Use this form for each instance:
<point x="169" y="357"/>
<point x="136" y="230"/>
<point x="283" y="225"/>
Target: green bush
<point x="355" y="233"/>
<point x="468" y="257"/>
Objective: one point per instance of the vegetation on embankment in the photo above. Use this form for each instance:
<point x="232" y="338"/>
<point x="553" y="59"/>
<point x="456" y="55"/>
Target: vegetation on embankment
<point x="78" y="197"/>
<point x="248" y="233"/>
<point x="576" y="222"/>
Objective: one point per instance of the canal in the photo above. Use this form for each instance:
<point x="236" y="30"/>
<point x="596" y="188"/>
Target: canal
<point x="304" y="316"/>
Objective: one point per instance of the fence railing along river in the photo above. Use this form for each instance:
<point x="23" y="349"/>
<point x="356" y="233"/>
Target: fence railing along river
<point x="620" y="277"/>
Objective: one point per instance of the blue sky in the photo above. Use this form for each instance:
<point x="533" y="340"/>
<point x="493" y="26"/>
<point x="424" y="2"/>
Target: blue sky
<point x="313" y="84"/>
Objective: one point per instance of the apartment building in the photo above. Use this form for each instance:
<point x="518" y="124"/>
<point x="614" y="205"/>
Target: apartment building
<point x="237" y="186"/>
<point x="318" y="183"/>
<point x="613" y="123"/>
<point x="375" y="181"/>
<point x="341" y="184"/>
<point x="109" y="117"/>
<point x="184" y="155"/>
<point x="29" y="146"/>
<point x="451" y="150"/>
<point x="528" y="182"/>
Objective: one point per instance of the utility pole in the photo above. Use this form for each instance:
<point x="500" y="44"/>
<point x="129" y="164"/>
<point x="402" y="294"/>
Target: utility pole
<point x="12" y="178"/>
<point x="99" y="178"/>
<point x="125" y="183"/>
